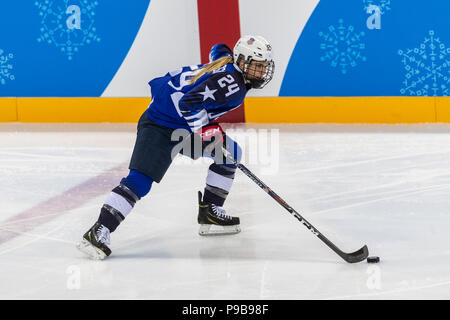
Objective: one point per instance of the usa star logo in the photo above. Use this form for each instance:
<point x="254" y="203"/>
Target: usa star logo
<point x="208" y="93"/>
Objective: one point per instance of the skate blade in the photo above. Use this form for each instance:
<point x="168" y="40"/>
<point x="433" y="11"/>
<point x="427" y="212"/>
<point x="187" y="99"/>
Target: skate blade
<point x="215" y="230"/>
<point x="87" y="248"/>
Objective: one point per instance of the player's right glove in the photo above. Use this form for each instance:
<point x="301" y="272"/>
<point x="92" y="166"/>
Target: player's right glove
<point x="212" y="137"/>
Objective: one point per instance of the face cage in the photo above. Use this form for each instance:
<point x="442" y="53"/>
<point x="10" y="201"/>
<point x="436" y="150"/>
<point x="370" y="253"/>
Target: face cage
<point x="268" y="75"/>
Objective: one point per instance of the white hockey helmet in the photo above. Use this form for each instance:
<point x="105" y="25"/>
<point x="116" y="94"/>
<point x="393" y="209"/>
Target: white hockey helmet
<point x="255" y="48"/>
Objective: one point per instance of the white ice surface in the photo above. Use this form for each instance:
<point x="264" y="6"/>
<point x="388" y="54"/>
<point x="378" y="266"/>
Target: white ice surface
<point x="384" y="186"/>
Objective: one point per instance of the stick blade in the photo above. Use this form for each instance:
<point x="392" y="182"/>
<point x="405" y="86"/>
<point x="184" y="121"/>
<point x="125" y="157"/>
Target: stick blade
<point x="357" y="256"/>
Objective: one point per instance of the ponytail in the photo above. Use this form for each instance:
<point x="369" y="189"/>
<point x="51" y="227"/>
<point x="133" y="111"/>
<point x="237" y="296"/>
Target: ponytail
<point x="210" y="67"/>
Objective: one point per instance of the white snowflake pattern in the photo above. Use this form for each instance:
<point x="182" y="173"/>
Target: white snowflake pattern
<point x="384" y="5"/>
<point x="5" y="67"/>
<point x="55" y="27"/>
<point x="427" y="68"/>
<point x="343" y="46"/>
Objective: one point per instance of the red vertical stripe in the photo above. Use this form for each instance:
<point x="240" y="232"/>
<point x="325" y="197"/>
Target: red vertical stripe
<point x="219" y="22"/>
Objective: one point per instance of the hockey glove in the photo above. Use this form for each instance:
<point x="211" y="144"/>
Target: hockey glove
<point x="212" y="137"/>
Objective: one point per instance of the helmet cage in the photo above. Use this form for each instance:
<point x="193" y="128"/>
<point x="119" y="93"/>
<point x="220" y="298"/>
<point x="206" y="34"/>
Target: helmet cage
<point x="247" y="70"/>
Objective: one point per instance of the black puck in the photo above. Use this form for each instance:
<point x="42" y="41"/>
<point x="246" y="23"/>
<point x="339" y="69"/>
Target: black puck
<point x="373" y="259"/>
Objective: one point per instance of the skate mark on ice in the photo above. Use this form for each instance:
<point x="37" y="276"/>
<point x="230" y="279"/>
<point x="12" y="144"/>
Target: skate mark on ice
<point x="36" y="237"/>
<point x="60" y="204"/>
<point x="36" y="156"/>
<point x="394" y="291"/>
<point x="365" y="193"/>
<point x="356" y="163"/>
<point x="382" y="186"/>
<point x="6" y="224"/>
<point x="418" y="191"/>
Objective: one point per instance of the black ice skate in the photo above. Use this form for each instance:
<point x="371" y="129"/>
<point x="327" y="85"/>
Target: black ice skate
<point x="214" y="221"/>
<point x="95" y="242"/>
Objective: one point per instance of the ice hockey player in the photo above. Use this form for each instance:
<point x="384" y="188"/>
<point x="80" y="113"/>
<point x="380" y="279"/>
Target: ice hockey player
<point x="188" y="99"/>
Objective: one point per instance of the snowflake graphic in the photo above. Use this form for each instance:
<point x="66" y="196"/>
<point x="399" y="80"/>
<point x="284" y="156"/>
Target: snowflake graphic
<point x="384" y="5"/>
<point x="67" y="24"/>
<point x="5" y="67"/>
<point x="342" y="46"/>
<point x="427" y="68"/>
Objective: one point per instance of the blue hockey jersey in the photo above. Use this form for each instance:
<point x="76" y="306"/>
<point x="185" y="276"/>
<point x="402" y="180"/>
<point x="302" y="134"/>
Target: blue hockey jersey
<point x="177" y="104"/>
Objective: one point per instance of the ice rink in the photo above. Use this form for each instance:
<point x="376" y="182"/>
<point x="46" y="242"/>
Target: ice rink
<point x="387" y="186"/>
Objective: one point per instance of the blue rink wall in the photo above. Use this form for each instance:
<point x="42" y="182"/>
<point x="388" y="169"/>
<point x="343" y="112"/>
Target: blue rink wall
<point x="65" y="48"/>
<point x="70" y="49"/>
<point x="398" y="48"/>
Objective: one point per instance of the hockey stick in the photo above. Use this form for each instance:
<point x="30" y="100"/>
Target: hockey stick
<point x="353" y="257"/>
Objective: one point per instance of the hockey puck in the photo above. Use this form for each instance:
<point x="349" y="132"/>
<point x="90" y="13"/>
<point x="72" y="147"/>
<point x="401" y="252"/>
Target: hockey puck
<point x="373" y="259"/>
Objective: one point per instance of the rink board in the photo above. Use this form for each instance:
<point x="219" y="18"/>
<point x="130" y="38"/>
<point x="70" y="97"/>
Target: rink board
<point x="257" y="109"/>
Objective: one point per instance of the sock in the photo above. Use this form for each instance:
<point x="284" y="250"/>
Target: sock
<point x="117" y="206"/>
<point x="218" y="183"/>
<point x="122" y="199"/>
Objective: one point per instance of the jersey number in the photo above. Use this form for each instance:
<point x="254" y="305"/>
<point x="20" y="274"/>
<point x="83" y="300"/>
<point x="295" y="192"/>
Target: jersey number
<point x="232" y="88"/>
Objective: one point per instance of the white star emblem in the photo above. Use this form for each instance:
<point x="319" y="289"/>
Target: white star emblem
<point x="208" y="93"/>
